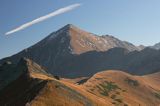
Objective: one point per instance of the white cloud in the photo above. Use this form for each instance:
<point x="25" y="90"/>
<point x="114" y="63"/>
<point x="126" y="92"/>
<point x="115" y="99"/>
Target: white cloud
<point x="55" y="13"/>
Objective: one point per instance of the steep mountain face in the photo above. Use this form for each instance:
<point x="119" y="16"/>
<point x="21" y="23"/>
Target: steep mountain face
<point x="64" y="50"/>
<point x="10" y="72"/>
<point x="156" y="46"/>
<point x="82" y="41"/>
<point x="35" y="87"/>
<point x="86" y="64"/>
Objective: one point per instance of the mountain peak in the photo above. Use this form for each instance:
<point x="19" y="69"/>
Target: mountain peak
<point x="68" y="27"/>
<point x="67" y="30"/>
<point x="61" y="46"/>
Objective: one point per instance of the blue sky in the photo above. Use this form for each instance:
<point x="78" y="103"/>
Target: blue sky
<point x="136" y="21"/>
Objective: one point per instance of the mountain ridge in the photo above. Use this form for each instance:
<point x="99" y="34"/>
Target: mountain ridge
<point x="35" y="87"/>
<point x="122" y="88"/>
<point x="70" y="52"/>
<point x="156" y="46"/>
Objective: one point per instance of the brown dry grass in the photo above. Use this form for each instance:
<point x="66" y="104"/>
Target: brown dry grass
<point x="63" y="93"/>
<point x="131" y="94"/>
<point x="105" y="88"/>
<point x="57" y="93"/>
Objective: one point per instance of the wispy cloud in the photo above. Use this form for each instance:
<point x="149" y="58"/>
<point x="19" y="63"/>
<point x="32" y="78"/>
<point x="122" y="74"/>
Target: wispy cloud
<point x="55" y="13"/>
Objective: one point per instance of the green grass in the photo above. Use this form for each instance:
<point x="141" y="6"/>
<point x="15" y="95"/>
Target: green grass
<point x="107" y="87"/>
<point x="157" y="94"/>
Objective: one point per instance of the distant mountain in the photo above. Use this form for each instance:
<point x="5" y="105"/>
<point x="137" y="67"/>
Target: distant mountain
<point x="156" y="46"/>
<point x="141" y="47"/>
<point x="72" y="52"/>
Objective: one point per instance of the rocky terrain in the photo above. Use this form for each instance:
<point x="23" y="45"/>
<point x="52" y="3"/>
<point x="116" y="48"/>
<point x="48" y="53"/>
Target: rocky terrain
<point x="73" y="52"/>
<point x="64" y="48"/>
<point x="73" y="67"/>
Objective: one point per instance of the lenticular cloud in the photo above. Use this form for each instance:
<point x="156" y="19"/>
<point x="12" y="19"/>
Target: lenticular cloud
<point x="52" y="14"/>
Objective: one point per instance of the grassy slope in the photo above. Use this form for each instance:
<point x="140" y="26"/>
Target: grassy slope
<point x="56" y="93"/>
<point x="34" y="87"/>
<point x="120" y="88"/>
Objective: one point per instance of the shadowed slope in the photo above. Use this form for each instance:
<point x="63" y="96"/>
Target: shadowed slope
<point x="71" y="44"/>
<point x="22" y="83"/>
<point x="35" y="87"/>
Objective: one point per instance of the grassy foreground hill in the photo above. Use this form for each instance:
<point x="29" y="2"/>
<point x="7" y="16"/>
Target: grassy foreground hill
<point x="123" y="89"/>
<point x="28" y="84"/>
<point x="35" y="87"/>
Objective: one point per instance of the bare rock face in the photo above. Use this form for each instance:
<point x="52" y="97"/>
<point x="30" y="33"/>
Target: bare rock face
<point x="73" y="52"/>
